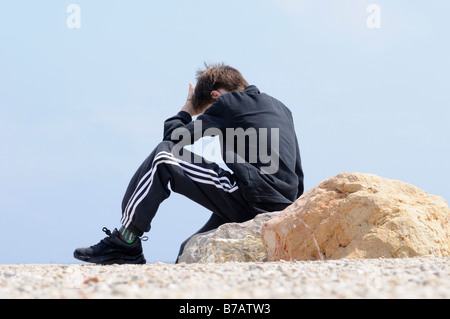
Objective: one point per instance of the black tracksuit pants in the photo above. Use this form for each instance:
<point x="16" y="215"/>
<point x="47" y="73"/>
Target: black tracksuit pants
<point x="203" y="182"/>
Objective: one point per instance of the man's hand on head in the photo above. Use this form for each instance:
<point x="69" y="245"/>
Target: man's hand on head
<point x="189" y="106"/>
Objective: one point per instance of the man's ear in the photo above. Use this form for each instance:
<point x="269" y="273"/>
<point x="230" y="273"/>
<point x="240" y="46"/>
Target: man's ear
<point x="215" y="94"/>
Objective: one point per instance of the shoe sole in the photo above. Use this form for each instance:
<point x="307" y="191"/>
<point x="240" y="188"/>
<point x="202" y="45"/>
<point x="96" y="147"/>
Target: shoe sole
<point x="111" y="260"/>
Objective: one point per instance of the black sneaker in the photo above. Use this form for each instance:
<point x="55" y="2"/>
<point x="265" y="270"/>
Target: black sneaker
<point x="112" y="250"/>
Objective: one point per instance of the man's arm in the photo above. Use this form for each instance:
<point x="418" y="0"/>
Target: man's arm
<point x="209" y="123"/>
<point x="183" y="118"/>
<point x="180" y="120"/>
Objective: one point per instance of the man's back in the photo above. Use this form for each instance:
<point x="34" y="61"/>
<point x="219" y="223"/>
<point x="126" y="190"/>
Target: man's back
<point x="260" y="145"/>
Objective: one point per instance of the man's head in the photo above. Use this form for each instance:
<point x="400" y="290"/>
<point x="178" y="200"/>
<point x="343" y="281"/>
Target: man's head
<point x="213" y="81"/>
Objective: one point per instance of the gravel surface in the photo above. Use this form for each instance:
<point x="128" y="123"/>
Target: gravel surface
<point x="370" y="278"/>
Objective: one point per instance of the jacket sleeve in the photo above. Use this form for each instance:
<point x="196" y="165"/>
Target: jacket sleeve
<point x="180" y="120"/>
<point x="181" y="129"/>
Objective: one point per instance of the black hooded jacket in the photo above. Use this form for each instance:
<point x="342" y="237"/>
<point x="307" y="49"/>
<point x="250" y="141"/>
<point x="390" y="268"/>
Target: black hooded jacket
<point x="258" y="141"/>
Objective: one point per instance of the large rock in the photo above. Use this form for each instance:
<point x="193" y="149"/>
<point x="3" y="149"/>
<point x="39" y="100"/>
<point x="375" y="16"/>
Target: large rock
<point x="240" y="242"/>
<point x="357" y="215"/>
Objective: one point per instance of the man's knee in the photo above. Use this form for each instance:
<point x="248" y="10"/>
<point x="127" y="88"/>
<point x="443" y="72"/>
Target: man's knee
<point x="176" y="150"/>
<point x="164" y="146"/>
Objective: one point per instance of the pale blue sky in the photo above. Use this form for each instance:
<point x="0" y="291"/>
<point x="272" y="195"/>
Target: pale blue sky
<point x="80" y="109"/>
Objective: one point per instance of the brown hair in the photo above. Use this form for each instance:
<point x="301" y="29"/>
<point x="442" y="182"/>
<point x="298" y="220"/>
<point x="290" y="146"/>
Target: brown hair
<point x="214" y="77"/>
